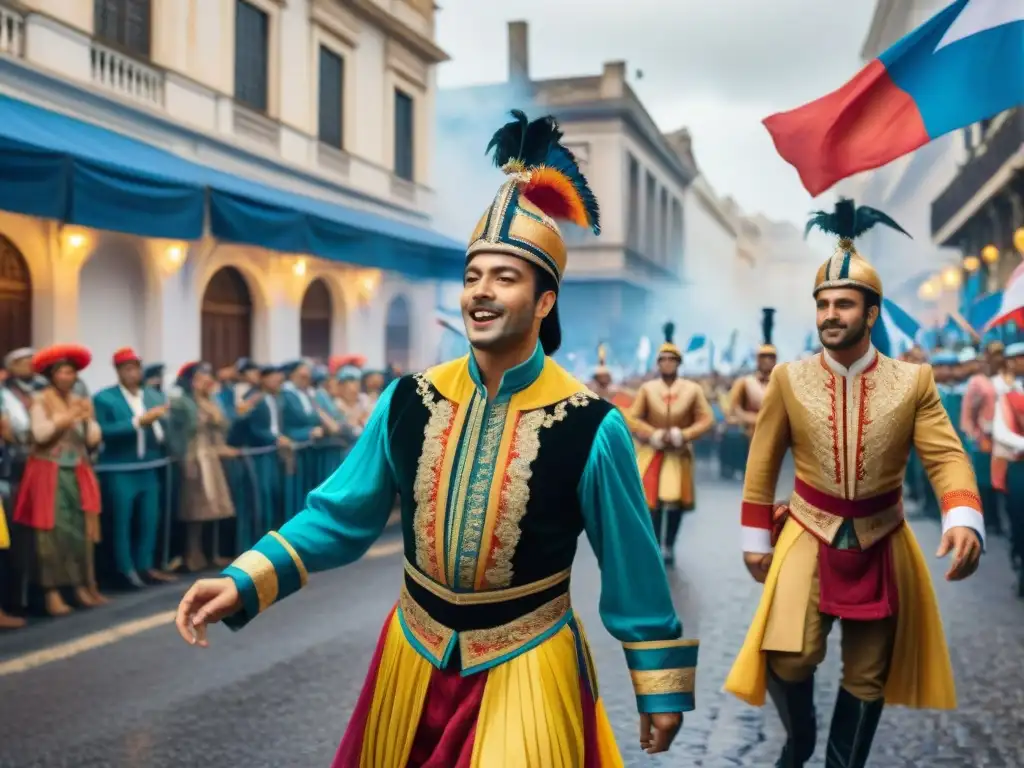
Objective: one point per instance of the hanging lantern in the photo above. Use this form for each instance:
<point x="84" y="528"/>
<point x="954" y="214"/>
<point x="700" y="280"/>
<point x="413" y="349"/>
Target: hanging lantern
<point x="1018" y="240"/>
<point x="972" y="263"/>
<point x="990" y="254"/>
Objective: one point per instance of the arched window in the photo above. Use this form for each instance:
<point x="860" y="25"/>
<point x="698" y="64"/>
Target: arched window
<point x="317" y="316"/>
<point x="226" y="318"/>
<point x="398" y="335"/>
<point x="15" y="299"/>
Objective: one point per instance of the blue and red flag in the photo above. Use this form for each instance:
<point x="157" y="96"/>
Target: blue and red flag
<point x="963" y="65"/>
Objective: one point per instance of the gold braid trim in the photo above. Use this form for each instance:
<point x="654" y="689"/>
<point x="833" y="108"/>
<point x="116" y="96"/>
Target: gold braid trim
<point x="261" y="571"/>
<point x="299" y="565"/>
<point x="653" y="682"/>
<point x="655" y="645"/>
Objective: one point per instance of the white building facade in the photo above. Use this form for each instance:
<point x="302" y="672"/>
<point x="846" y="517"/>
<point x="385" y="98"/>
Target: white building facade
<point x="326" y="99"/>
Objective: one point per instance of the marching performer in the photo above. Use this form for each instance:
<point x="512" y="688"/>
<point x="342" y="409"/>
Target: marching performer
<point x="840" y="550"/>
<point x="500" y="460"/>
<point x="976" y="416"/>
<point x="668" y="414"/>
<point x="747" y="393"/>
<point x="601" y="382"/>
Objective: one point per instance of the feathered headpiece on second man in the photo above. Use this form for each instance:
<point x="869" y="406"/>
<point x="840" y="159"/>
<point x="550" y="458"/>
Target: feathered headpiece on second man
<point x="846" y="268"/>
<point x="767" y="326"/>
<point x="668" y="347"/>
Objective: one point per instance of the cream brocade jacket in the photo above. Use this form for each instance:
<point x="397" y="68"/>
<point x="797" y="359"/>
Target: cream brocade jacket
<point x="850" y="432"/>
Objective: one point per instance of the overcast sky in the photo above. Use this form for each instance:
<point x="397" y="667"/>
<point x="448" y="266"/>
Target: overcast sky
<point x="717" y="67"/>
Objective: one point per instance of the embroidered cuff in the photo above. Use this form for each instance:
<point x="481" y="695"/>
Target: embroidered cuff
<point x="754" y="514"/>
<point x="664" y="673"/>
<point x="268" y="572"/>
<point x="967" y="518"/>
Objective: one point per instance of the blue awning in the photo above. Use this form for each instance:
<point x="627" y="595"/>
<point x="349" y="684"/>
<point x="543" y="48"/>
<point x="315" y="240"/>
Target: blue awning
<point x="57" y="167"/>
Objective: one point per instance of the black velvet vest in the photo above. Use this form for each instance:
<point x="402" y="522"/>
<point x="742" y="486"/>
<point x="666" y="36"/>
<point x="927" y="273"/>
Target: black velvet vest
<point x="536" y="520"/>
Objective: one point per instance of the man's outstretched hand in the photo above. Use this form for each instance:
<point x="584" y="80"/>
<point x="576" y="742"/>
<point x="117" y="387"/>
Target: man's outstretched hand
<point x="658" y="730"/>
<point x="207" y="602"/>
<point x="965" y="545"/>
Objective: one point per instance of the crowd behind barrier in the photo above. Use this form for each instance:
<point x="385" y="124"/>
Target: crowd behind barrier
<point x="129" y="486"/>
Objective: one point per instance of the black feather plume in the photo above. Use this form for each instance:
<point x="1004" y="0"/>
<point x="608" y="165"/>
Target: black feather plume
<point x="524" y="141"/>
<point x="767" y="324"/>
<point x="848" y="221"/>
<point x="669" y="329"/>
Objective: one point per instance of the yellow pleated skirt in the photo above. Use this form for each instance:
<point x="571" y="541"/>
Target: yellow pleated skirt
<point x="5" y="534"/>
<point x="531" y="714"/>
<point x="921" y="675"/>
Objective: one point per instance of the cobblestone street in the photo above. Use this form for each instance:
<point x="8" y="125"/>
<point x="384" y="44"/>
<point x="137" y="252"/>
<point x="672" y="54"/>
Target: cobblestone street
<point x="279" y="693"/>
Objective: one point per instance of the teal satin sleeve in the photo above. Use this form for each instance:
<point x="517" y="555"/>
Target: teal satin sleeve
<point x="342" y="519"/>
<point x="636" y="604"/>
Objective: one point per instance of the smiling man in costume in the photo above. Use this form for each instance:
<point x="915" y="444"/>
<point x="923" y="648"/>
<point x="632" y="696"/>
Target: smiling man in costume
<point x="500" y="460"/>
<point x="850" y="416"/>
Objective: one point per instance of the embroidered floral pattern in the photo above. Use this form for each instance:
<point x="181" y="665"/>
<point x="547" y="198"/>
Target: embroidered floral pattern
<point x="961" y="498"/>
<point x="515" y="488"/>
<point x="481" y="646"/>
<point x="428" y="476"/>
<point x="431" y="634"/>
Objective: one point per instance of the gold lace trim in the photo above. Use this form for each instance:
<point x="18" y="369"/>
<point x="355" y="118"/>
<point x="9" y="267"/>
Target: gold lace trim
<point x="660" y="681"/>
<point x="428" y="477"/>
<point x="261" y="571"/>
<point x="431" y="634"/>
<point x="515" y="492"/>
<point x="480" y="646"/>
<point x="490" y="596"/>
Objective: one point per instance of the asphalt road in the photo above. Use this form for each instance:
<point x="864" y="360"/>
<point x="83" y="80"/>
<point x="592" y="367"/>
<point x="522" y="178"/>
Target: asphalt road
<point x="123" y="690"/>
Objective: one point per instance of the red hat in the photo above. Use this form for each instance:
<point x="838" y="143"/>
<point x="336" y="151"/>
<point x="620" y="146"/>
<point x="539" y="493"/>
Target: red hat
<point x="126" y="355"/>
<point x="74" y="355"/>
<point x="337" y="362"/>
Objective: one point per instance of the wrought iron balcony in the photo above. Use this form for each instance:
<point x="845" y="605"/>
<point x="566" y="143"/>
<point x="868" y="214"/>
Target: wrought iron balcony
<point x="985" y="163"/>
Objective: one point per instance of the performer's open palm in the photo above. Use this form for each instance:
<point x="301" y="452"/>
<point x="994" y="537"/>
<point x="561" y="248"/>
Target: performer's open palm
<point x="965" y="545"/>
<point x="207" y="602"/>
<point x="658" y="730"/>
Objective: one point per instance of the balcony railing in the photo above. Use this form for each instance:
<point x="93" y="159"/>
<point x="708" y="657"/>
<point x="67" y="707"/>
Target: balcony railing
<point x="976" y="172"/>
<point x="12" y="32"/>
<point x="126" y="77"/>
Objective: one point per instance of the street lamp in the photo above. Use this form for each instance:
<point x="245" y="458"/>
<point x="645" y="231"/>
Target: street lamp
<point x="972" y="263"/>
<point x="990" y="254"/>
<point x="928" y="291"/>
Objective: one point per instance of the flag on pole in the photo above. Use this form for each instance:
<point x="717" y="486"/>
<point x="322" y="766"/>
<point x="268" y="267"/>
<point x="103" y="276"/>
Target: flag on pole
<point x="963" y="65"/>
<point x="1012" y="308"/>
<point x="897" y="330"/>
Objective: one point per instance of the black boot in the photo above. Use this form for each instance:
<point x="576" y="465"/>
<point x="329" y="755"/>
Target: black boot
<point x="795" y="702"/>
<point x="853" y="730"/>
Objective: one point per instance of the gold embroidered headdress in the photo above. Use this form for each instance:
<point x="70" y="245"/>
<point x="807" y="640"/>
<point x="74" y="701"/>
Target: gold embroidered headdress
<point x="846" y="267"/>
<point x="544" y="184"/>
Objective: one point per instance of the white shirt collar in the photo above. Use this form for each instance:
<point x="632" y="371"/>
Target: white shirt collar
<point x="858" y="367"/>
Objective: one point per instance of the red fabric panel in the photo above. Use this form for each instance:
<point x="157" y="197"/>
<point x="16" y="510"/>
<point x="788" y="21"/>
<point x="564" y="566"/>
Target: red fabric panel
<point x="863" y="125"/>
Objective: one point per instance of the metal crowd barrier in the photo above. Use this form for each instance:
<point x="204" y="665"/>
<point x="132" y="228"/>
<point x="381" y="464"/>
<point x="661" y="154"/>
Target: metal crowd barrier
<point x="301" y="467"/>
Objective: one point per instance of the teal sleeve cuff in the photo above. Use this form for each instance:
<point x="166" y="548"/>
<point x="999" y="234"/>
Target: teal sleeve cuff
<point x="663" y="673"/>
<point x="267" y="573"/>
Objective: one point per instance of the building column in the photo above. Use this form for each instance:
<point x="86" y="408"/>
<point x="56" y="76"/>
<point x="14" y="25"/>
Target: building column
<point x="282" y="338"/>
<point x="174" y="321"/>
